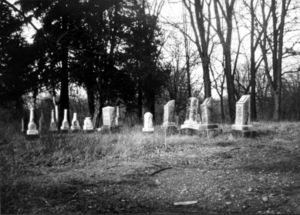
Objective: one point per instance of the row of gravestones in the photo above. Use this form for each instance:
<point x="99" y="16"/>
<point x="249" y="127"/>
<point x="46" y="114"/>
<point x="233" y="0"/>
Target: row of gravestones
<point x="110" y="116"/>
<point x="207" y="121"/>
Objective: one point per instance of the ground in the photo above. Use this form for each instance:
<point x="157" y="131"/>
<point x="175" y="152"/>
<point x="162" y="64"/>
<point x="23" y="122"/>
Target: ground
<point x="132" y="172"/>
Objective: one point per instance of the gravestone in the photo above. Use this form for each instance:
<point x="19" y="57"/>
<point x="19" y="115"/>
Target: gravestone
<point x="109" y="117"/>
<point x="65" y="124"/>
<point x="208" y="118"/>
<point x="242" y="114"/>
<point x="117" y="111"/>
<point x="53" y="125"/>
<point x="88" y="124"/>
<point x="169" y="119"/>
<point x="75" y="126"/>
<point x="32" y="128"/>
<point x="190" y="124"/>
<point x="148" y="123"/>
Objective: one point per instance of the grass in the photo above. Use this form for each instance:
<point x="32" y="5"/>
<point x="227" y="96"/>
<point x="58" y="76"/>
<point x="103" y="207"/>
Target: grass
<point x="130" y="171"/>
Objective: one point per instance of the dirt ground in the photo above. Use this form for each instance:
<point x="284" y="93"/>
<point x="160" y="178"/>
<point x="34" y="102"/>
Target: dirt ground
<point x="225" y="174"/>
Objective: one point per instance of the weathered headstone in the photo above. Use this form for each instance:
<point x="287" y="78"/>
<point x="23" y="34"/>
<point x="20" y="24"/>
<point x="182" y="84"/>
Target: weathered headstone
<point x="109" y="117"/>
<point x="242" y="115"/>
<point x="117" y="111"/>
<point x="208" y="118"/>
<point x="88" y="124"/>
<point x="53" y="124"/>
<point x="148" y="123"/>
<point x="32" y="128"/>
<point x="191" y="115"/>
<point x="65" y="124"/>
<point x="75" y="126"/>
<point x="169" y="119"/>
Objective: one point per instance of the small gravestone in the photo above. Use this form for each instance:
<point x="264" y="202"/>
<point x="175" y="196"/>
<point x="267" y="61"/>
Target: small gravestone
<point x="190" y="125"/>
<point x="208" y="118"/>
<point x="148" y="123"/>
<point x="117" y="112"/>
<point x="88" y="124"/>
<point x="110" y="116"/>
<point x="169" y="123"/>
<point x="32" y="128"/>
<point x="53" y="124"/>
<point x="75" y="123"/>
<point x="242" y="117"/>
<point x="65" y="124"/>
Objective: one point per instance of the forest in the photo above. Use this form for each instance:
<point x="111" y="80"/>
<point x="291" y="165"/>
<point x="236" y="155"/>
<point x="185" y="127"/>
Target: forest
<point x="127" y="52"/>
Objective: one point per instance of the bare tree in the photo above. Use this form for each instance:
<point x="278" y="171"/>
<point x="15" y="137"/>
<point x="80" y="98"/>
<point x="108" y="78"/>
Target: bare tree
<point x="225" y="11"/>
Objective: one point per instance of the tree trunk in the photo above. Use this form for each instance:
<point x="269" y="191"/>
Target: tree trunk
<point x="276" y="113"/>
<point x="206" y="77"/>
<point x="64" y="89"/>
<point x="230" y="86"/>
<point x="91" y="100"/>
<point x="140" y="101"/>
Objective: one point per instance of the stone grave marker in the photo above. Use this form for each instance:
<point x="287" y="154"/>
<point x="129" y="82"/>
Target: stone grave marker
<point x="109" y="117"/>
<point x="75" y="126"/>
<point x="148" y="123"/>
<point x="208" y="120"/>
<point x="191" y="115"/>
<point x="53" y="124"/>
<point x="65" y="124"/>
<point x="32" y="128"/>
<point x="242" y="115"/>
<point x="88" y="124"/>
<point x="169" y="118"/>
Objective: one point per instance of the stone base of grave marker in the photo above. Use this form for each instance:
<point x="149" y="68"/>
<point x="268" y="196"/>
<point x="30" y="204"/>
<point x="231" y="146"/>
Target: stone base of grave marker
<point x="241" y="127"/>
<point x="53" y="127"/>
<point x="108" y="129"/>
<point x="188" y="124"/>
<point x="148" y="130"/>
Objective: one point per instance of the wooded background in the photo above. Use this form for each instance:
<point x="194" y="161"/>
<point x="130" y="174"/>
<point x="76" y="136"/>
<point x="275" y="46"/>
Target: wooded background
<point x="119" y="51"/>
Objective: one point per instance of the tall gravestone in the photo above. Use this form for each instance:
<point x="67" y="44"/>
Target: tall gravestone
<point x="169" y="118"/>
<point x="75" y="126"/>
<point x="65" y="124"/>
<point x="208" y="117"/>
<point x="88" y="124"/>
<point x="243" y="114"/>
<point x="32" y="128"/>
<point x="191" y="115"/>
<point x="53" y="123"/>
<point x="148" y="123"/>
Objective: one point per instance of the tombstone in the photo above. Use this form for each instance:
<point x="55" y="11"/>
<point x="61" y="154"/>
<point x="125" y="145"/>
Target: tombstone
<point x="109" y="117"/>
<point x="148" y="123"/>
<point x="169" y="119"/>
<point x="190" y="122"/>
<point x="65" y="124"/>
<point x="242" y="114"/>
<point x="75" y="126"/>
<point x="117" y="111"/>
<point x="88" y="124"/>
<point x="32" y="128"/>
<point x="56" y="113"/>
<point x="53" y="124"/>
<point x="208" y="118"/>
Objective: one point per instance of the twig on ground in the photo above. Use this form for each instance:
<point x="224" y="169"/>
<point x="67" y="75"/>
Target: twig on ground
<point x="160" y="170"/>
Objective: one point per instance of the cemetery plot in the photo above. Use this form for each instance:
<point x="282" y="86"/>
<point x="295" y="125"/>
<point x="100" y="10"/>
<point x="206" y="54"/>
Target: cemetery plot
<point x="133" y="172"/>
